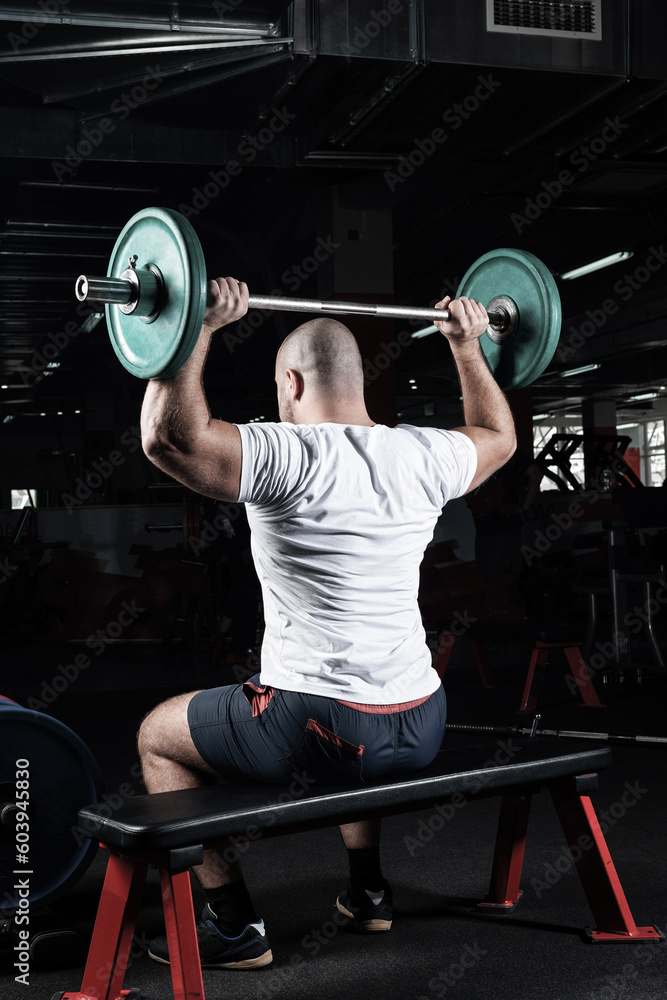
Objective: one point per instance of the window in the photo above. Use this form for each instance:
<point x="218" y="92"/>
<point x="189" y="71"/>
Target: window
<point x="23" y="498"/>
<point x="653" y="453"/>
<point x="542" y="433"/>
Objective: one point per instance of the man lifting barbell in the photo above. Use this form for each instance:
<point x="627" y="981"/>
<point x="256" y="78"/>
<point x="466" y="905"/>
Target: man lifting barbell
<point x="340" y="510"/>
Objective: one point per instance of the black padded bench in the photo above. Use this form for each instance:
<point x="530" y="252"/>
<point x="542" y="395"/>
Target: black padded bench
<point x="171" y="829"/>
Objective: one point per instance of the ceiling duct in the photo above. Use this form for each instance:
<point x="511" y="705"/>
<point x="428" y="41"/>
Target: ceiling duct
<point x="569" y="18"/>
<point x="569" y="36"/>
<point x="561" y="35"/>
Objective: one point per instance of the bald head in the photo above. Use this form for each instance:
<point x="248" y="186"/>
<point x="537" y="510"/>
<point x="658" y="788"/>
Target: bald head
<point x="326" y="356"/>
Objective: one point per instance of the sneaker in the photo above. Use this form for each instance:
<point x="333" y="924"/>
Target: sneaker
<point x="250" y="950"/>
<point x="371" y="911"/>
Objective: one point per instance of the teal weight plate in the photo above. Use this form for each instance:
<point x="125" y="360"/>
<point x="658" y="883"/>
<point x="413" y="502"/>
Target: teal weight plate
<point x="160" y="347"/>
<point x="523" y="357"/>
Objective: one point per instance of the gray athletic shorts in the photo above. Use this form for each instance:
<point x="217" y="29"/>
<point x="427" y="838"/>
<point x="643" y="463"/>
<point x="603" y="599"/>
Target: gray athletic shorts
<point x="252" y="731"/>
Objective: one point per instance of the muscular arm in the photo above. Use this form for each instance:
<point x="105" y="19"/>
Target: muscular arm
<point x="488" y="418"/>
<point x="177" y="431"/>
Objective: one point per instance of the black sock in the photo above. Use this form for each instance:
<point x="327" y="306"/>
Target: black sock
<point x="365" y="871"/>
<point x="232" y="907"/>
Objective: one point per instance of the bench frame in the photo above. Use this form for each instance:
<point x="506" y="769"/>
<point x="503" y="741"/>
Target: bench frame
<point x="126" y="873"/>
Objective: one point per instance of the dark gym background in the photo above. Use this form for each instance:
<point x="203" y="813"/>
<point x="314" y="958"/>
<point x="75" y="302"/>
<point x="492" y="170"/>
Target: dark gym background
<point x="370" y="152"/>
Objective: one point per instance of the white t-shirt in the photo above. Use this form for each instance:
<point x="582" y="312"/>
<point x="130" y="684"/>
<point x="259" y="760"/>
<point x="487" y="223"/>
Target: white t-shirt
<point x="340" y="516"/>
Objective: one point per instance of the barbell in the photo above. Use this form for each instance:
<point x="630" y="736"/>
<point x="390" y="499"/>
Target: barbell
<point x="536" y="729"/>
<point x="155" y="297"/>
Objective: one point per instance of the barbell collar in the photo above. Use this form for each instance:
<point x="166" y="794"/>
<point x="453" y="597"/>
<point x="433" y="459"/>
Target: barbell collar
<point x="96" y="289"/>
<point x="138" y="292"/>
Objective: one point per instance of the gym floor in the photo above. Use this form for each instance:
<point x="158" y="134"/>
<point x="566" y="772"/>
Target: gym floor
<point x="438" y="945"/>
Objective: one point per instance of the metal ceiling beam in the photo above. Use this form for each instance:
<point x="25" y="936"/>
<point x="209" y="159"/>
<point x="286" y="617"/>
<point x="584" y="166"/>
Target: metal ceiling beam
<point x="75" y="186"/>
<point x="51" y="253"/>
<point x="29" y="235"/>
<point x="54" y="53"/>
<point x="64" y="225"/>
<point x="299" y="67"/>
<point x="377" y="103"/>
<point x="44" y="279"/>
<point x="31" y="14"/>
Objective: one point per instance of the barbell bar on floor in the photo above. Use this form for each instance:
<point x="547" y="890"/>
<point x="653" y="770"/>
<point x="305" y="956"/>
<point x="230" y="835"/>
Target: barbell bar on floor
<point x="483" y="729"/>
<point x="155" y="296"/>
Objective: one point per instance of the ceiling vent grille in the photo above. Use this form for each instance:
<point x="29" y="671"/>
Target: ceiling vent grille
<point x="567" y="19"/>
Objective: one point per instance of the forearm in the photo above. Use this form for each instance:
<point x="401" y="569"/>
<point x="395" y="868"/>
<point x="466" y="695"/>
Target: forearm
<point x="175" y="411"/>
<point x="484" y="403"/>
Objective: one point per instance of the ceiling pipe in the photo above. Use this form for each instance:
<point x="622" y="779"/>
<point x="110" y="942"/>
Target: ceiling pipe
<point x="58" y="53"/>
<point x="300" y="65"/>
<point x="120" y="188"/>
<point x="378" y="103"/>
<point x="173" y="23"/>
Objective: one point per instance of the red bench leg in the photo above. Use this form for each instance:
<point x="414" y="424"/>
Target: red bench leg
<point x="447" y="640"/>
<point x="539" y="658"/>
<point x="484" y="668"/>
<point x="114" y="927"/>
<point x="580" y="673"/>
<point x="596" y="869"/>
<point x="504" y="891"/>
<point x="179" y="918"/>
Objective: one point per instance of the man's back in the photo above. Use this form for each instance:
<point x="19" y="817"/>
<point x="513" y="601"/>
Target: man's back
<point x="340" y="516"/>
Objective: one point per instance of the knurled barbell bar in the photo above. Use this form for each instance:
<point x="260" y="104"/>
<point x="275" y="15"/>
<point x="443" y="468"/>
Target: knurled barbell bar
<point x="155" y="296"/>
<point x="536" y="729"/>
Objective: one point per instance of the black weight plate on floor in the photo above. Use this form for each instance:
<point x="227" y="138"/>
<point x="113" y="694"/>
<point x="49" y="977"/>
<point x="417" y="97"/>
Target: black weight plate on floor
<point x="63" y="777"/>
